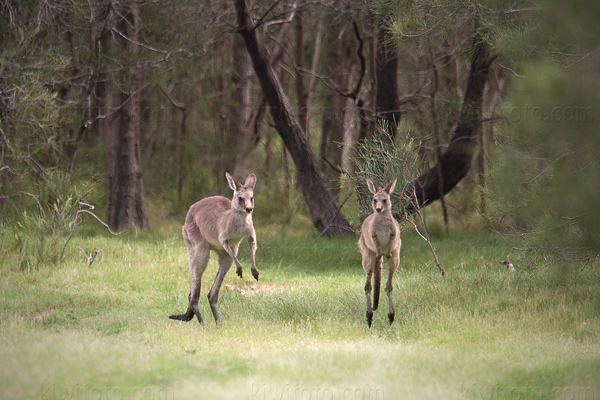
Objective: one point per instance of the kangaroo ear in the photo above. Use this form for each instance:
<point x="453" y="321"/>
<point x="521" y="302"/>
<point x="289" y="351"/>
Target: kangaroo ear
<point x="373" y="188"/>
<point x="250" y="181"/>
<point x="390" y="187"/>
<point x="233" y="183"/>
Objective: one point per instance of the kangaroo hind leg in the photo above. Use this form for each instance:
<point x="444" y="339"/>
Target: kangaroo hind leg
<point x="199" y="254"/>
<point x="225" y="262"/>
<point x="392" y="264"/>
<point x="368" y="262"/>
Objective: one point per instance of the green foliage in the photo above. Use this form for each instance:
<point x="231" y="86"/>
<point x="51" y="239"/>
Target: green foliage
<point x="547" y="173"/>
<point x="30" y="133"/>
<point x="37" y="198"/>
<point x="38" y="224"/>
<point x="383" y="161"/>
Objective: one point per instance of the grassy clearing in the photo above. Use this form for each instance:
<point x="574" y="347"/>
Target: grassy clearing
<point x="102" y="332"/>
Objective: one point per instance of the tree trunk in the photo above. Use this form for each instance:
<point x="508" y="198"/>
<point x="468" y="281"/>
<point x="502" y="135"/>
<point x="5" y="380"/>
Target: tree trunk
<point x="332" y="133"/>
<point x="388" y="109"/>
<point x="126" y="200"/>
<point x="325" y="214"/>
<point x="456" y="160"/>
<point x="239" y="108"/>
<point x="436" y="137"/>
<point x="301" y="93"/>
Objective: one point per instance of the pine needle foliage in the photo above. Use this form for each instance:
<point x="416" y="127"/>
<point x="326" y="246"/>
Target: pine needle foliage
<point x="382" y="160"/>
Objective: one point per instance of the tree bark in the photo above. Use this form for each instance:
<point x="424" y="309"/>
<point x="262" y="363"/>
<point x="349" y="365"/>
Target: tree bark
<point x="332" y="132"/>
<point x="301" y="93"/>
<point x="325" y="214"/>
<point x="456" y="161"/>
<point x="388" y="109"/>
<point x="126" y="198"/>
<point x="239" y="108"/>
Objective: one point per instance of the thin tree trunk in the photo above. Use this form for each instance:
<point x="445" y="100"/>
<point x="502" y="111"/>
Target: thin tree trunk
<point x="491" y="98"/>
<point x="126" y="199"/>
<point x="332" y="133"/>
<point x="325" y="214"/>
<point x="457" y="159"/>
<point x="436" y="136"/>
<point x="388" y="109"/>
<point x="181" y="138"/>
<point x="301" y="92"/>
<point x="239" y="108"/>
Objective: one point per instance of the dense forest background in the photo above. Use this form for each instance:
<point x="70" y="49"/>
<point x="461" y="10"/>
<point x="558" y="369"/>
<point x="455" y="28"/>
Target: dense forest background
<point x="138" y="108"/>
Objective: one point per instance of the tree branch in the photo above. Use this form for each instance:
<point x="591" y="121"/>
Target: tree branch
<point x="456" y="160"/>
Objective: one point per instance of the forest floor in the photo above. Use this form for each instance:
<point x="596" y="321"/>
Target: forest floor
<point x="73" y="331"/>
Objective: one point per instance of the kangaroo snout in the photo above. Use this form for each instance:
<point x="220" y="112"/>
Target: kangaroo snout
<point x="249" y="210"/>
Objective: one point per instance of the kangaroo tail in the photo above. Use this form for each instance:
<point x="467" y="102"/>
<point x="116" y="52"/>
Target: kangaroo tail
<point x="377" y="283"/>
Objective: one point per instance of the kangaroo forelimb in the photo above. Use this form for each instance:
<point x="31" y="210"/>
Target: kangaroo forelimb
<point x="238" y="264"/>
<point x="252" y="244"/>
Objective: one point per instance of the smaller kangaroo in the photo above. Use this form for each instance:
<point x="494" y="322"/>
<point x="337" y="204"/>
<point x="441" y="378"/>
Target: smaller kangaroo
<point x="380" y="236"/>
<point x="218" y="224"/>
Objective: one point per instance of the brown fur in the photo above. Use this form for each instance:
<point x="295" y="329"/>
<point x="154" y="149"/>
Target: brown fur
<point x="218" y="224"/>
<point x="379" y="237"/>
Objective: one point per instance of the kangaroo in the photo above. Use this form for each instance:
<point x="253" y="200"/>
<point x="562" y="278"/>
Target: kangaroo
<point x="380" y="236"/>
<point x="218" y="224"/>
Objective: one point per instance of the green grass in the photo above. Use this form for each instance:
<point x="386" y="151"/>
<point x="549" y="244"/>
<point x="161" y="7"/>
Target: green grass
<point x="102" y="332"/>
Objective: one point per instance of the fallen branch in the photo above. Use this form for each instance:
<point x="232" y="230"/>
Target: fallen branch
<point x="80" y="211"/>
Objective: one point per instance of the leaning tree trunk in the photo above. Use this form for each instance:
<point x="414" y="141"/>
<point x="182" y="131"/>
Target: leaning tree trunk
<point x="325" y="214"/>
<point x="126" y="199"/>
<point x="456" y="161"/>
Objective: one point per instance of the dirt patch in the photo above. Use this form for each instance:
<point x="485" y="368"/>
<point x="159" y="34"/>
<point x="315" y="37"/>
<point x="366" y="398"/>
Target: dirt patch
<point x="40" y="316"/>
<point x="251" y="288"/>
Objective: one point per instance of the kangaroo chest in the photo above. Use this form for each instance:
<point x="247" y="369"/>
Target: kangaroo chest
<point x="236" y="227"/>
<point x="379" y="233"/>
<point x="384" y="231"/>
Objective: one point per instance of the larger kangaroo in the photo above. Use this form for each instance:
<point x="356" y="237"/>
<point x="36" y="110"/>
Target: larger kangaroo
<point x="380" y="236"/>
<point x="219" y="224"/>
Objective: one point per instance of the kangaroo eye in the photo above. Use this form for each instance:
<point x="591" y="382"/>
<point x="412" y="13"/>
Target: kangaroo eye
<point x="384" y="202"/>
<point x="240" y="199"/>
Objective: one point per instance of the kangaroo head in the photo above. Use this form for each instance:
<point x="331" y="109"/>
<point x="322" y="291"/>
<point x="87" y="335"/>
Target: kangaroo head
<point x="243" y="195"/>
<point x="381" y="197"/>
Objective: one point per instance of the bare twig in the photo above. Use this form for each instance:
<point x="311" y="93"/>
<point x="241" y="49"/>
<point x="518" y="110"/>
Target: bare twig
<point x="92" y="256"/>
<point x="334" y="167"/>
<point x="40" y="208"/>
<point x="425" y="236"/>
<point x="80" y="211"/>
<point x="336" y="215"/>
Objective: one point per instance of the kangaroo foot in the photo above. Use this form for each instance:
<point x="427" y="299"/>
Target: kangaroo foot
<point x="369" y="318"/>
<point x="181" y="317"/>
<point x="391" y="317"/>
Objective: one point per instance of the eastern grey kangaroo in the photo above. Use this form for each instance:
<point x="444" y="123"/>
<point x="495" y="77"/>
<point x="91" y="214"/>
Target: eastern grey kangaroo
<point x="380" y="236"/>
<point x="218" y="224"/>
